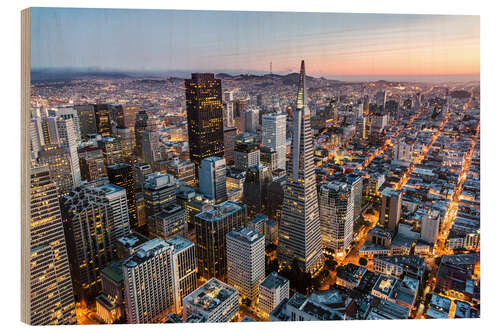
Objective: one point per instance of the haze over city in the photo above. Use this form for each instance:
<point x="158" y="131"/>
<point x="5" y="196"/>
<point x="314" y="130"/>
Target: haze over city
<point x="341" y="46"/>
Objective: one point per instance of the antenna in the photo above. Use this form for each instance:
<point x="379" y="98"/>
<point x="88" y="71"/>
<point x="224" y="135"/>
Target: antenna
<point x="271" y="67"/>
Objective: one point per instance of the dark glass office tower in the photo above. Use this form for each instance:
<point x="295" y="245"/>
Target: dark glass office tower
<point x="122" y="174"/>
<point x="103" y="119"/>
<point x="204" y="115"/>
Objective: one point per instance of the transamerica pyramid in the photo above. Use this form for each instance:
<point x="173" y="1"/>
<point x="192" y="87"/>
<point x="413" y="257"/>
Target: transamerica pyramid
<point x="300" y="236"/>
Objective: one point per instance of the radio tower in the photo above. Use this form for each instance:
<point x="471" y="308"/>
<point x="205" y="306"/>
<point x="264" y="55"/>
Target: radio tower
<point x="271" y="68"/>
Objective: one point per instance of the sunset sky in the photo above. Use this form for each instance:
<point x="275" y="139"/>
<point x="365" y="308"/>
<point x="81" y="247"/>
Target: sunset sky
<point x="333" y="45"/>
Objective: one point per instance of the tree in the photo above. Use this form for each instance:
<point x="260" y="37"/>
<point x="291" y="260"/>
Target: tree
<point x="362" y="261"/>
<point x="330" y="264"/>
<point x="271" y="247"/>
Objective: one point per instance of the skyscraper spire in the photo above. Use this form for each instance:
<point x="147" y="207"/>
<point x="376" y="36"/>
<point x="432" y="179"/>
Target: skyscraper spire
<point x="300" y="234"/>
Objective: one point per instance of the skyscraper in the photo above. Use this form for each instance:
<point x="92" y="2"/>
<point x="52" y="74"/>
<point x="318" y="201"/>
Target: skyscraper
<point x="204" y="116"/>
<point x="111" y="150"/>
<point x="246" y="155"/>
<point x="122" y="175"/>
<point x="159" y="192"/>
<point x="274" y="135"/>
<point x="94" y="218"/>
<point x="59" y="162"/>
<point x="229" y="138"/>
<point x="61" y="131"/>
<point x="92" y="165"/>
<point x="246" y="261"/>
<point x="86" y="115"/>
<point x="211" y="229"/>
<point x="213" y="178"/>
<point x="50" y="289"/>
<point x="184" y="269"/>
<point x="390" y="211"/>
<point x="257" y="181"/>
<point x="144" y="121"/>
<point x="103" y="119"/>
<point x="300" y="233"/>
<point x="127" y="143"/>
<point x="150" y="146"/>
<point x="336" y="208"/>
<point x="182" y="170"/>
<point x="68" y="112"/>
<point x="149" y="297"/>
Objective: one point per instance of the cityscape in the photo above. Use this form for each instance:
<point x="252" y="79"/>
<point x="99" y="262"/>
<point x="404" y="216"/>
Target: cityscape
<point x="204" y="193"/>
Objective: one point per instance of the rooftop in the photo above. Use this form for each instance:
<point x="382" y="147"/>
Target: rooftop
<point x="179" y="243"/>
<point x="390" y="192"/>
<point x="273" y="281"/>
<point x="245" y="235"/>
<point x="132" y="240"/>
<point x="114" y="271"/>
<point x="208" y="296"/>
<point x="385" y="284"/>
<point x="159" y="180"/>
<point x="146" y="251"/>
<point x="221" y="211"/>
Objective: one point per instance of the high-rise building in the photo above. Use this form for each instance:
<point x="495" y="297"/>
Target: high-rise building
<point x="211" y="228"/>
<point x="204" y="116"/>
<point x="361" y="128"/>
<point x="125" y="116"/>
<point x="246" y="155"/>
<point x="274" y="136"/>
<point x="140" y="172"/>
<point x="126" y="138"/>
<point x="249" y="120"/>
<point x="68" y="112"/>
<point x="246" y="261"/>
<point x="269" y="158"/>
<point x="144" y="121"/>
<point x="355" y="181"/>
<point x="257" y="180"/>
<point x="390" y="211"/>
<point x="159" y="191"/>
<point x="36" y="136"/>
<point x="123" y="175"/>
<point x="111" y="150"/>
<point x="59" y="162"/>
<point x="61" y="131"/>
<point x="272" y="291"/>
<point x="170" y="221"/>
<point x="182" y="170"/>
<point x="336" y="208"/>
<point x="103" y="119"/>
<point x="430" y="226"/>
<point x="51" y="300"/>
<point x="151" y="151"/>
<point x="229" y="138"/>
<point x="92" y="166"/>
<point x="275" y="195"/>
<point x="228" y="109"/>
<point x="184" y="269"/>
<point x="212" y="175"/>
<point x="149" y="297"/>
<point x="213" y="302"/>
<point x="94" y="218"/>
<point x="402" y="151"/>
<point x="380" y="98"/>
<point x="300" y="233"/>
<point x="87" y="117"/>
